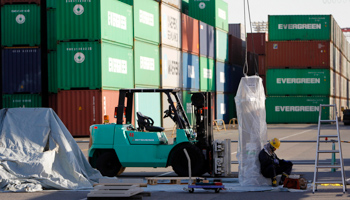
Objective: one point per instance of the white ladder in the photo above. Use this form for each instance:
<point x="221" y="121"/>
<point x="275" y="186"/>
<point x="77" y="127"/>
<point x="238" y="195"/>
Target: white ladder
<point x="317" y="166"/>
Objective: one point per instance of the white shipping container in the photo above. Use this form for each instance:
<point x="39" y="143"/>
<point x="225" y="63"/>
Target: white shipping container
<point x="343" y="87"/>
<point x="170" y="26"/>
<point x="171" y="76"/>
<point x="173" y="3"/>
<point x="167" y="123"/>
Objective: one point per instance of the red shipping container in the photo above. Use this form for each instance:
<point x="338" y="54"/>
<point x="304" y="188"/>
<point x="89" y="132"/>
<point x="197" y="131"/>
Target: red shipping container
<point x="262" y="64"/>
<point x="19" y="1"/>
<point x="298" y="54"/>
<point x="259" y="40"/>
<point x="190" y="35"/>
<point x="53" y="102"/>
<point x="79" y="109"/>
<point x="236" y="51"/>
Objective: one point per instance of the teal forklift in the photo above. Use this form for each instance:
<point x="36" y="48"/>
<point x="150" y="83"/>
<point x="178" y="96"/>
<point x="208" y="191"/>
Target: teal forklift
<point x="115" y="146"/>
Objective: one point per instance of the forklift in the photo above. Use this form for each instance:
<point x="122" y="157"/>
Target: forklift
<point x="115" y="146"/>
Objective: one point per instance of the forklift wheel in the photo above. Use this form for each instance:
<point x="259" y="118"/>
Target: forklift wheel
<point x="108" y="164"/>
<point x="180" y="164"/>
<point x="191" y="190"/>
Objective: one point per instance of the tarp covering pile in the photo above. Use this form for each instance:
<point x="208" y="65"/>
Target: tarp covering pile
<point x="252" y="128"/>
<point x="37" y="151"/>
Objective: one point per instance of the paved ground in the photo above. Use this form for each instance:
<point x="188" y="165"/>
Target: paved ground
<point x="298" y="152"/>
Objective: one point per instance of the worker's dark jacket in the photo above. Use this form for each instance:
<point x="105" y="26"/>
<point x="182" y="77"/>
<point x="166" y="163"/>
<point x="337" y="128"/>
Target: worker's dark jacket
<point x="269" y="168"/>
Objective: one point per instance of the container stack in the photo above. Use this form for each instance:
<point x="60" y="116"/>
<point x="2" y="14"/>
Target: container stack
<point x="307" y="62"/>
<point x="21" y="53"/>
<point x="346" y="32"/>
<point x="94" y="60"/>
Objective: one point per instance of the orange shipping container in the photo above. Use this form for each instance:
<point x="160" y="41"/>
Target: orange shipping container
<point x="79" y="109"/>
<point x="190" y="35"/>
<point x="262" y="64"/>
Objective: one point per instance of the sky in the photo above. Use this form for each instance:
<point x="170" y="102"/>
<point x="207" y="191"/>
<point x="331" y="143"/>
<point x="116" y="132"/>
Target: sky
<point x="260" y="9"/>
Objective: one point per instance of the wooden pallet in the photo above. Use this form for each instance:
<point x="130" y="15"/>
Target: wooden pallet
<point x="166" y="180"/>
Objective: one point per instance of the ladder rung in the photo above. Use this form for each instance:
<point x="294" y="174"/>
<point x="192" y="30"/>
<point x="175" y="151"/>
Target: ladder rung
<point x="328" y="151"/>
<point x="328" y="120"/>
<point x="325" y="182"/>
<point x="328" y="166"/>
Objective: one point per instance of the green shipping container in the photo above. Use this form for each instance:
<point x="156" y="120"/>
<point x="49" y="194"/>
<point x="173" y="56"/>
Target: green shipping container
<point x="21" y="100"/>
<point x="300" y="27"/>
<point x="212" y="12"/>
<point x="296" y="109"/>
<point x="95" y="20"/>
<point x="52" y="71"/>
<point x="221" y="46"/>
<point x="187" y="105"/>
<point x="185" y="6"/>
<point x="146" y="20"/>
<point x="20" y="25"/>
<point x="147" y="69"/>
<point x="51" y="3"/>
<point x="51" y="29"/>
<point x="299" y="82"/>
<point x="207" y="79"/>
<point x="94" y="65"/>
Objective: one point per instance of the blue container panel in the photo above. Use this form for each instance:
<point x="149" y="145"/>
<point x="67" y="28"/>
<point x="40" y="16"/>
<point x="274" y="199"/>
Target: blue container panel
<point x="224" y="77"/>
<point x="237" y="74"/>
<point x="190" y="64"/>
<point x="21" y="70"/>
<point x="222" y="107"/>
<point x="206" y="40"/>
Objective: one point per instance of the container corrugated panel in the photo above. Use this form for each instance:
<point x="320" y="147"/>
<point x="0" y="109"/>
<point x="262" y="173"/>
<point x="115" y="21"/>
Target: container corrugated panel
<point x="237" y="30"/>
<point x="253" y="63"/>
<point x="299" y="82"/>
<point x="212" y="12"/>
<point x="343" y="87"/>
<point x="224" y="77"/>
<point x="79" y="109"/>
<point x="295" y="109"/>
<point x="146" y="64"/>
<point x="146" y="20"/>
<point x="167" y="123"/>
<point x="95" y="20"/>
<point x="222" y="107"/>
<point x="52" y="71"/>
<point x="190" y="71"/>
<point x="171" y="71"/>
<point x="21" y="70"/>
<point x="299" y="54"/>
<point x="170" y="26"/>
<point x="206" y="40"/>
<point x="300" y="27"/>
<point x="185" y="6"/>
<point x="256" y="43"/>
<point x="150" y="105"/>
<point x="262" y="64"/>
<point x="186" y="95"/>
<point x="236" y="77"/>
<point x="91" y="65"/>
<point x="3" y="2"/>
<point x="236" y="51"/>
<point x="51" y="29"/>
<point x="22" y="25"/>
<point x="190" y="35"/>
<point x="21" y="100"/>
<point x="221" y="46"/>
<point x="207" y="74"/>
<point x="51" y="4"/>
<point x="53" y="102"/>
<point x="174" y="3"/>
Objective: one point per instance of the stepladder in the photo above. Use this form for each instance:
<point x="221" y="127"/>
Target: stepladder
<point x="330" y="121"/>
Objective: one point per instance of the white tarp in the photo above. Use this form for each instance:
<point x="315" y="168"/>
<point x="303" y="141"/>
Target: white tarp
<point x="251" y="117"/>
<point x="37" y="150"/>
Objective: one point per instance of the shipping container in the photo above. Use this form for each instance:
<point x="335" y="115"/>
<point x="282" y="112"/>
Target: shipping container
<point x="296" y="109"/>
<point x="190" y="35"/>
<point x="3" y="2"/>
<point x="146" y="64"/>
<point x="146" y="20"/>
<point x="95" y="20"/>
<point x="212" y="12"/>
<point x="256" y="43"/>
<point x="263" y="77"/>
<point x="222" y="107"/>
<point x="221" y="46"/>
<point x="174" y="3"/>
<point x="224" y="77"/>
<point x="79" y="109"/>
<point x="171" y="72"/>
<point x="236" y="78"/>
<point x="262" y="64"/>
<point x="51" y="4"/>
<point x="207" y="74"/>
<point x="185" y="96"/>
<point x="185" y="6"/>
<point x="22" y="25"/>
<point x="170" y="26"/>
<point x="296" y="82"/>
<point x="21" y="70"/>
<point x="253" y="63"/>
<point x="53" y="101"/>
<point x="236" y="51"/>
<point x="190" y="71"/>
<point x="150" y="105"/>
<point x="21" y="100"/>
<point x="51" y="29"/>
<point x="52" y="71"/>
<point x="237" y="30"/>
<point x="94" y="65"/>
<point x="206" y="40"/>
<point x="167" y="123"/>
<point x="232" y="108"/>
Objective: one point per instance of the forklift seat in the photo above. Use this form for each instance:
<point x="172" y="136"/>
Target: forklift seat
<point x="145" y="122"/>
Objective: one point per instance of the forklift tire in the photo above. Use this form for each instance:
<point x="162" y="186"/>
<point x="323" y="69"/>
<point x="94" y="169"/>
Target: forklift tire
<point x="179" y="161"/>
<point x="108" y="164"/>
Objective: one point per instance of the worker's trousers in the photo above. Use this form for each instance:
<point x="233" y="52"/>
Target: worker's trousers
<point x="274" y="170"/>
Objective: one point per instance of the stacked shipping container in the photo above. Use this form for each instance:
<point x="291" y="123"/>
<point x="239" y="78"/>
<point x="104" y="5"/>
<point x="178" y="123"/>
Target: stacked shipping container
<point x="307" y="61"/>
<point x="21" y="55"/>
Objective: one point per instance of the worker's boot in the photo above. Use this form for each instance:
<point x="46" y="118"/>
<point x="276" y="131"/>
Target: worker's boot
<point x="274" y="182"/>
<point x="284" y="176"/>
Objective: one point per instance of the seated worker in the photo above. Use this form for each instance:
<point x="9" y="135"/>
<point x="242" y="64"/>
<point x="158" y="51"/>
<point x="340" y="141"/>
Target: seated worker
<point x="271" y="165"/>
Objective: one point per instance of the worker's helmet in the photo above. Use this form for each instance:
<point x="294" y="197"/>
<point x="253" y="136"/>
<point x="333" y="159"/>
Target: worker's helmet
<point x="275" y="143"/>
